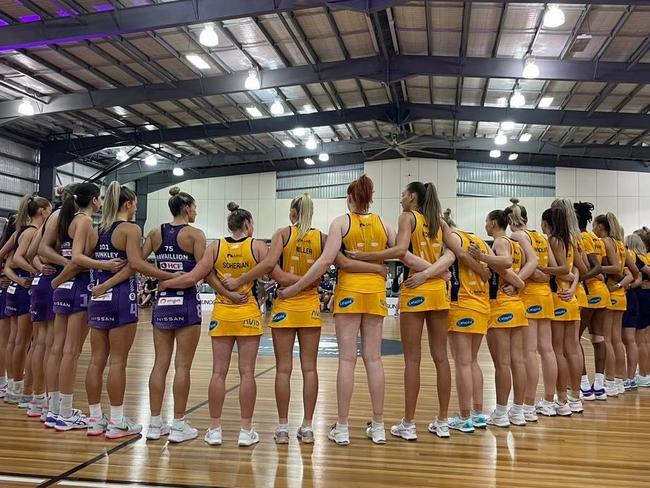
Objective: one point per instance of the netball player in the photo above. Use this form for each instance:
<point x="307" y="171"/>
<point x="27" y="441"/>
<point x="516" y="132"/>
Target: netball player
<point x="595" y="314"/>
<point x="538" y="301"/>
<point x="32" y="213"/>
<point x="6" y="243"/>
<point x="642" y="334"/>
<point x="232" y="321"/>
<point x="176" y="315"/>
<point x="636" y="251"/>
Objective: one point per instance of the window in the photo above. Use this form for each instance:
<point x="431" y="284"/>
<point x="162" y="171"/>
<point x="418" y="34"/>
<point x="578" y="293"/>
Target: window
<point x="504" y="180"/>
<point x="329" y="182"/>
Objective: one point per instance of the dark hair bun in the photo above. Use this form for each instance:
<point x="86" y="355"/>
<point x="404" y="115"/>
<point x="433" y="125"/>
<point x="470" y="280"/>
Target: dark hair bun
<point x="514" y="201"/>
<point x="232" y="206"/>
<point x="174" y="190"/>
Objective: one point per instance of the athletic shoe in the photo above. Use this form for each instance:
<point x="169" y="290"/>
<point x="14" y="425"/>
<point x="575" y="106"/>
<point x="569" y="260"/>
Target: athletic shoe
<point x="125" y="428"/>
<point x="3" y="390"/>
<point x="186" y="433"/>
<point x="498" y="420"/>
<point x="25" y="401"/>
<point x="479" y="421"/>
<point x="406" y="432"/>
<point x="546" y="408"/>
<point x="518" y="419"/>
<point x="305" y="435"/>
<point x="12" y="398"/>
<point x="529" y="413"/>
<point x="376" y="432"/>
<point x="588" y="394"/>
<point x="611" y="389"/>
<point x="248" y="437"/>
<point x="43" y="414"/>
<point x="213" y="437"/>
<point x="633" y="384"/>
<point x="600" y="394"/>
<point x="575" y="405"/>
<point x="457" y="423"/>
<point x="563" y="409"/>
<point x="50" y="420"/>
<point x="281" y="435"/>
<point x="440" y="428"/>
<point x="75" y="421"/>
<point x="643" y="381"/>
<point x="97" y="426"/>
<point x="156" y="431"/>
<point x="620" y="385"/>
<point x="339" y="434"/>
<point x="35" y="409"/>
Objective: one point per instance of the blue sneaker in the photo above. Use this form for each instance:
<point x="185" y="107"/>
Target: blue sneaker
<point x="464" y="425"/>
<point x="588" y="394"/>
<point x="479" y="421"/>
<point x="599" y="394"/>
<point x="50" y="420"/>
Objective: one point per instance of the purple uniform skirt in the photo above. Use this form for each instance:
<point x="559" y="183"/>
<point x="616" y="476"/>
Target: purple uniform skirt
<point x="174" y="309"/>
<point x="17" y="302"/>
<point x="3" y="300"/>
<point x="72" y="296"/>
<point x="118" y="306"/>
<point x="42" y="307"/>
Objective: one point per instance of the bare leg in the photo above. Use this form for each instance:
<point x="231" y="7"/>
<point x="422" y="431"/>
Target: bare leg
<point x="347" y="331"/>
<point x="499" y="345"/>
<point x="38" y="353"/>
<point x="120" y="341"/>
<point x="644" y="351"/>
<point x="518" y="364"/>
<point x="247" y="348"/>
<point x="163" y="345"/>
<point x="562" y="382"/>
<point x="532" y="363"/>
<point x="371" y="333"/>
<point x="477" y="374"/>
<point x="572" y="353"/>
<point x="586" y="318"/>
<point x="99" y="350"/>
<point x="461" y="347"/>
<point x="187" y="339"/>
<point x="53" y="365"/>
<point x="411" y="334"/>
<point x="610" y="357"/>
<point x="76" y="333"/>
<point x="283" y="340"/>
<point x="221" y="354"/>
<point x="5" y="330"/>
<point x="309" y="338"/>
<point x="549" y="360"/>
<point x="437" y="331"/>
<point x="23" y="339"/>
<point x="617" y="343"/>
<point x="632" y="351"/>
<point x="597" y="340"/>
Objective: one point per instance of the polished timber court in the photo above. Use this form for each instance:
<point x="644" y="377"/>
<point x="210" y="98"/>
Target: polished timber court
<point x="608" y="445"/>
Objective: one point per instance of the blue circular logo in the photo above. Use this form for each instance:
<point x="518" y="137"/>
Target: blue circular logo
<point x="414" y="302"/>
<point x="506" y="317"/>
<point x="534" y="309"/>
<point x="560" y="311"/>
<point x="346" y="302"/>
<point x="279" y="317"/>
<point x="594" y="300"/>
<point x="462" y="323"/>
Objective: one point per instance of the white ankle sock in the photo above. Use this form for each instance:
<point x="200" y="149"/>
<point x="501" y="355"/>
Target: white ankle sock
<point x="178" y="424"/>
<point x="19" y="387"/>
<point x="3" y="381"/>
<point x="599" y="381"/>
<point x="516" y="409"/>
<point x="501" y="410"/>
<point x="117" y="414"/>
<point x="584" y="382"/>
<point x="95" y="410"/>
<point x="66" y="405"/>
<point x="54" y="402"/>
<point x="155" y="420"/>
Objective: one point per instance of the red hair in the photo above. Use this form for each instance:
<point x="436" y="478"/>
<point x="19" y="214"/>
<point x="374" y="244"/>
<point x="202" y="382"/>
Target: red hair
<point x="360" y="190"/>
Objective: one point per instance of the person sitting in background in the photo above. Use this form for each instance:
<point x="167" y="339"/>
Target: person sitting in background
<point x="326" y="293"/>
<point x="148" y="292"/>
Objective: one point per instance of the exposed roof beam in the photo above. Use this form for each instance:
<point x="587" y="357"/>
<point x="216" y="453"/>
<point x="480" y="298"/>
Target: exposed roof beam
<point x="397" y="68"/>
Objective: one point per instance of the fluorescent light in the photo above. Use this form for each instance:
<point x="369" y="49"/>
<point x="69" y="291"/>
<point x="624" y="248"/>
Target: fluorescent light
<point x="197" y="61"/>
<point x="495" y="153"/>
<point x="525" y="137"/>
<point x="178" y="171"/>
<point x="253" y="111"/>
<point x="151" y="160"/>
<point x="253" y="80"/>
<point x="277" y="108"/>
<point x="553" y="17"/>
<point x="517" y="99"/>
<point x="546" y="102"/>
<point x="150" y="127"/>
<point x="208" y="36"/>
<point x="507" y="125"/>
<point x="299" y="131"/>
<point x="513" y="157"/>
<point x="308" y="108"/>
<point x="311" y="143"/>
<point x="289" y="143"/>
<point x="500" y="139"/>
<point x="502" y="101"/>
<point x="324" y="157"/>
<point x="531" y="70"/>
<point x="26" y="107"/>
<point x="121" y="156"/>
<point x="309" y="161"/>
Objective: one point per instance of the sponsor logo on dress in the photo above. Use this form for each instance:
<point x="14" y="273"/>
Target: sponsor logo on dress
<point x="213" y="324"/>
<point x="594" y="300"/>
<point x="534" y="309"/>
<point x="167" y="266"/>
<point x="279" y="317"/>
<point x="462" y="323"/>
<point x="346" y="302"/>
<point x="415" y="301"/>
<point x="560" y="311"/>
<point x="252" y="323"/>
<point x="506" y="317"/>
<point x="614" y="301"/>
<point x="170" y="301"/>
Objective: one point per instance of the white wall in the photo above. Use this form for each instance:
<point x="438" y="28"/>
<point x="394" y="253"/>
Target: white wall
<point x="607" y="190"/>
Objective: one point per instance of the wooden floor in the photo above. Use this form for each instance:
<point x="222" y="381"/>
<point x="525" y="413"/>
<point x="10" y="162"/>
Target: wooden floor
<point x="607" y="445"/>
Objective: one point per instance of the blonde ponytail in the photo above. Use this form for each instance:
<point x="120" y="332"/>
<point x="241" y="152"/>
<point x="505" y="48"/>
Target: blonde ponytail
<point x="116" y="196"/>
<point x="304" y="207"/>
<point x="22" y="216"/>
<point x="615" y="229"/>
<point x="431" y="209"/>
<point x="516" y="213"/>
<point x="571" y="218"/>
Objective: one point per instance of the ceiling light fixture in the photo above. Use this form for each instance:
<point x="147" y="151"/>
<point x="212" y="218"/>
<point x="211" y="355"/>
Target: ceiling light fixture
<point x="197" y="61"/>
<point x="253" y="111"/>
<point x="500" y="139"/>
<point x="289" y="143"/>
<point x="311" y="143"/>
<point x="502" y="101"/>
<point x="513" y="157"/>
<point x="545" y="102"/>
<point x="277" y="108"/>
<point x="525" y="137"/>
<point x="178" y="171"/>
<point x="531" y="70"/>
<point x="151" y="160"/>
<point x="121" y="155"/>
<point x="253" y="80"/>
<point x="554" y="16"/>
<point x="323" y="157"/>
<point x="507" y="125"/>
<point x="299" y="131"/>
<point x="495" y="153"/>
<point x="208" y="36"/>
<point x="517" y="99"/>
<point x="309" y="161"/>
<point x="26" y="107"/>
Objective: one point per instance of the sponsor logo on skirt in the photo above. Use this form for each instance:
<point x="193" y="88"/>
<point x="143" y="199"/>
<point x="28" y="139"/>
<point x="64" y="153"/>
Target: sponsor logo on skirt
<point x="346" y="302"/>
<point x="560" y="311"/>
<point x="279" y="317"/>
<point x="468" y="322"/>
<point x="213" y="324"/>
<point x="594" y="300"/>
<point x="534" y="309"/>
<point x="506" y="317"/>
<point x="415" y="301"/>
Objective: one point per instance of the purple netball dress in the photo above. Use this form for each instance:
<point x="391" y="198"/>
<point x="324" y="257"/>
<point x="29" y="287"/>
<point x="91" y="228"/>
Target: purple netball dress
<point x="42" y="308"/>
<point x="71" y="296"/>
<point x="174" y="309"/>
<point x="118" y="306"/>
<point x="17" y="302"/>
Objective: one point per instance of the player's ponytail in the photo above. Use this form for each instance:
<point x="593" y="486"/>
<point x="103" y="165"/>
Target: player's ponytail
<point x="304" y="207"/>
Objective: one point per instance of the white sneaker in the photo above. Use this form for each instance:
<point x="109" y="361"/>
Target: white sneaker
<point x="546" y="408"/>
<point x="76" y="421"/>
<point x="3" y="390"/>
<point x="463" y="425"/>
<point x="563" y="409"/>
<point x="376" y="432"/>
<point x="406" y="432"/>
<point x="25" y="401"/>
<point x="643" y="381"/>
<point x="281" y="435"/>
<point x="339" y="434"/>
<point x="156" y="431"/>
<point x="620" y="385"/>
<point x="305" y="434"/>
<point x="518" y="419"/>
<point x="184" y="433"/>
<point x="611" y="389"/>
<point x="35" y="409"/>
<point x="499" y="420"/>
<point x="575" y="405"/>
<point x="117" y="430"/>
<point x="213" y="437"/>
<point x="440" y="428"/>
<point x="97" y="426"/>
<point x="479" y="421"/>
<point x="248" y="437"/>
<point x="529" y="413"/>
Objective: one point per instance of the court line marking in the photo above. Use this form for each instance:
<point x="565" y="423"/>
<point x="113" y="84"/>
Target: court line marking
<point x="32" y="480"/>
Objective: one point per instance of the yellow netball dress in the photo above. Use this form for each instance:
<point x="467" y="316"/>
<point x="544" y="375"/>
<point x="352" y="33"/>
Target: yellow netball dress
<point x="228" y="319"/>
<point x="362" y="292"/>
<point x="537" y="297"/>
<point x="564" y="311"/>
<point x="432" y="294"/>
<point x="581" y="293"/>
<point x="597" y="292"/>
<point x="618" y="298"/>
<point x="507" y="310"/>
<point x="470" y="302"/>
<point x="298" y="255"/>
